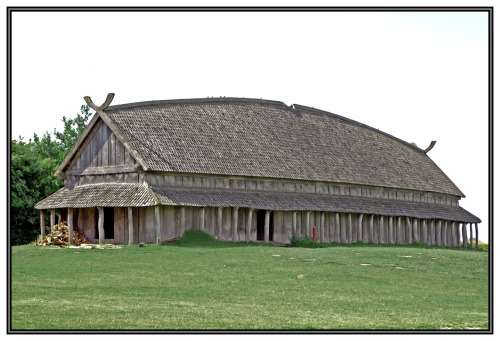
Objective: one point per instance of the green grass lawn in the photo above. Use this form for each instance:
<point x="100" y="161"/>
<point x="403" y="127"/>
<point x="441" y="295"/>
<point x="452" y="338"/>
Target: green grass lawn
<point x="217" y="285"/>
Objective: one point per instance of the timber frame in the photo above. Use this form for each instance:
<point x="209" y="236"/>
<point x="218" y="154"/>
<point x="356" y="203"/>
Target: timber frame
<point x="117" y="167"/>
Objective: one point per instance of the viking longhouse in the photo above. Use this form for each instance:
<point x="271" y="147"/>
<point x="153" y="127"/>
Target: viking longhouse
<point x="250" y="170"/>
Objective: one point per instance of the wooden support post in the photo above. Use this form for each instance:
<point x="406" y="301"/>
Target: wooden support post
<point x="416" y="237"/>
<point x="308" y="232"/>
<point x="294" y="222"/>
<point x="52" y="219"/>
<point x="470" y="234"/>
<point x="157" y="224"/>
<point x="399" y="232"/>
<point x="235" y="224"/>
<point x="444" y="232"/>
<point x="100" y="224"/>
<point x="391" y="234"/>
<point x="453" y="235"/>
<point x="42" y="223"/>
<point x="433" y="233"/>
<point x="59" y="219"/>
<point x="381" y="239"/>
<point x="409" y="231"/>
<point x="322" y="227"/>
<point x="249" y="225"/>
<point x="438" y="233"/>
<point x="70" y="226"/>
<point x="360" y="228"/>
<point x="202" y="219"/>
<point x="183" y="220"/>
<point x="424" y="230"/>
<point x="266" y="226"/>
<point x="219" y="223"/>
<point x="477" y="236"/>
<point x="371" y="229"/>
<point x="464" y="235"/>
<point x="349" y="228"/>
<point x="130" y="226"/>
<point x="337" y="227"/>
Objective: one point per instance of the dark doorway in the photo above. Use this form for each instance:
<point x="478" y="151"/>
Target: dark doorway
<point x="109" y="223"/>
<point x="261" y="221"/>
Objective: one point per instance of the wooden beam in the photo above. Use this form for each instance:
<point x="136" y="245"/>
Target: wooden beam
<point x="433" y="233"/>
<point x="100" y="224"/>
<point x="439" y="233"/>
<point x="424" y="230"/>
<point x="464" y="235"/>
<point x="52" y="219"/>
<point x="183" y="220"/>
<point x="249" y="224"/>
<point x="130" y="227"/>
<point x="381" y="239"/>
<point x="266" y="226"/>
<point x="308" y="232"/>
<point x="70" y="226"/>
<point x="453" y="235"/>
<point x="416" y="237"/>
<point x="409" y="229"/>
<point x="399" y="232"/>
<point x="337" y="227"/>
<point x="391" y="227"/>
<point x="202" y="219"/>
<point x="42" y="224"/>
<point x="360" y="228"/>
<point x="235" y="223"/>
<point x="349" y="228"/>
<point x="294" y="222"/>
<point x="157" y="224"/>
<point x="322" y="227"/>
<point x="219" y="223"/>
<point x="470" y="234"/>
<point x="371" y="229"/>
<point x="477" y="236"/>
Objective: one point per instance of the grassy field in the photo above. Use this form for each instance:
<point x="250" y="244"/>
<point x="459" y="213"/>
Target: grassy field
<point x="216" y="285"/>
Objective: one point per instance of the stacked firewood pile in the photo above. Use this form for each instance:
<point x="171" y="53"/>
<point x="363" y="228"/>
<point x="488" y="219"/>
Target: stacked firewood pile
<point x="59" y="236"/>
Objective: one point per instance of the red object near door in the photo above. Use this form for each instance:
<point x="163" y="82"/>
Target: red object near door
<point x="314" y="233"/>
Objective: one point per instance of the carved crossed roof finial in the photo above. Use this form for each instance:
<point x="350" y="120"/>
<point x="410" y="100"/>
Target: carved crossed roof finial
<point x="430" y="147"/>
<point x="106" y="103"/>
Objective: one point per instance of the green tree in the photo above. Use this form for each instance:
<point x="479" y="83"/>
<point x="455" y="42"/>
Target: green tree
<point x="33" y="165"/>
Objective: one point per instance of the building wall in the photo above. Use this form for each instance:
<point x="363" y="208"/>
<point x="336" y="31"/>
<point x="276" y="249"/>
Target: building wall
<point x="384" y="230"/>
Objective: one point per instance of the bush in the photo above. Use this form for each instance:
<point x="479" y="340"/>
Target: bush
<point x="303" y="241"/>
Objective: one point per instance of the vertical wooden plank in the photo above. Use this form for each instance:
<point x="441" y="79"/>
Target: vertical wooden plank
<point x="470" y="234"/>
<point x="390" y="237"/>
<point x="235" y="224"/>
<point x="409" y="231"/>
<point x="477" y="237"/>
<point x="100" y="225"/>
<point x="120" y="150"/>
<point x="337" y="228"/>
<point x="70" y="226"/>
<point x="432" y="234"/>
<point x="453" y="235"/>
<point x="157" y="224"/>
<point x="249" y="225"/>
<point x="294" y="223"/>
<point x="416" y="238"/>
<point x="219" y="223"/>
<point x="202" y="219"/>
<point x="372" y="239"/>
<point x="322" y="227"/>
<point x="112" y="150"/>
<point x="266" y="227"/>
<point x="464" y="235"/>
<point x="308" y="223"/>
<point x="105" y="146"/>
<point x="438" y="233"/>
<point x="381" y="237"/>
<point x="130" y="226"/>
<point x="360" y="228"/>
<point x="349" y="228"/>
<point x="424" y="230"/>
<point x="53" y="219"/>
<point x="183" y="220"/>
<point x="398" y="231"/>
<point x="42" y="223"/>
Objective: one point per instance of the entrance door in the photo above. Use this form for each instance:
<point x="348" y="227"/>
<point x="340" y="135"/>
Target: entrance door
<point x="109" y="223"/>
<point x="261" y="221"/>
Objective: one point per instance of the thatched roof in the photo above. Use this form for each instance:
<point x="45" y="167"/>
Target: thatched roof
<point x="260" y="138"/>
<point x="122" y="195"/>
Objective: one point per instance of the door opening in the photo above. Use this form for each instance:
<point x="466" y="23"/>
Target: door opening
<point x="109" y="223"/>
<point x="261" y="221"/>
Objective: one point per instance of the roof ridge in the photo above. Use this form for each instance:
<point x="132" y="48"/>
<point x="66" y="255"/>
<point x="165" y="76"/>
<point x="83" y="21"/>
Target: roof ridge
<point x="359" y="124"/>
<point x="195" y="101"/>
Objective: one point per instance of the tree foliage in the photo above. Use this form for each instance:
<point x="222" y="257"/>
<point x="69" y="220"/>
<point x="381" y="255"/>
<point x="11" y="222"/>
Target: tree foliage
<point x="33" y="165"/>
